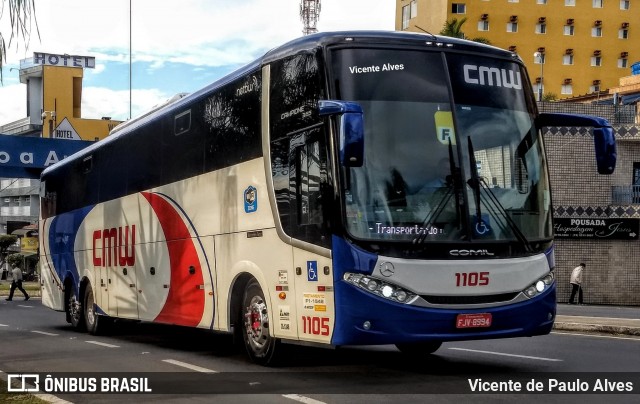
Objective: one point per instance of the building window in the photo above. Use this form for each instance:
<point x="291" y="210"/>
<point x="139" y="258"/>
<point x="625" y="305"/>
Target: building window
<point x="512" y="27"/>
<point x="596" y="61"/>
<point x="539" y="57"/>
<point x="596" y="32"/>
<point x="483" y="25"/>
<point x="624" y="4"/>
<point x="458" y="8"/>
<point x="567" y="60"/>
<point x="623" y="33"/>
<point x="636" y="173"/>
<point x="594" y="89"/>
<point x="569" y="29"/>
<point x="567" y="89"/>
<point x="597" y="3"/>
<point x="570" y="3"/>
<point x="623" y="63"/>
<point x="408" y="12"/>
<point x="542" y="1"/>
<point x="513" y="1"/>
<point x="541" y="28"/>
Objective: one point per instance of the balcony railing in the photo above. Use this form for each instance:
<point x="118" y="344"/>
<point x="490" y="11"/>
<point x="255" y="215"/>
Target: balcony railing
<point x="625" y="194"/>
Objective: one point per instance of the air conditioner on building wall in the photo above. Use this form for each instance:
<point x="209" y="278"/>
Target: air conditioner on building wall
<point x="542" y="19"/>
<point x="624" y="54"/>
<point x="568" y="81"/>
<point x="513" y="18"/>
<point x="597" y="52"/>
<point x="569" y="51"/>
<point x="484" y="16"/>
<point x="541" y="49"/>
<point x="597" y="23"/>
<point x="625" y="25"/>
<point x="569" y="21"/>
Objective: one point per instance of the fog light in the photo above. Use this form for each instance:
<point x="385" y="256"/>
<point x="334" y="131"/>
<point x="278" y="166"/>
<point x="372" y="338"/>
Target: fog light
<point x="372" y="285"/>
<point x="531" y="291"/>
<point x="366" y="325"/>
<point x="401" y="295"/>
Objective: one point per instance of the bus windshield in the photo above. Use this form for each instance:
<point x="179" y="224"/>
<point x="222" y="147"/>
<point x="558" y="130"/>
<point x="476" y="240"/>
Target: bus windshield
<point x="451" y="150"/>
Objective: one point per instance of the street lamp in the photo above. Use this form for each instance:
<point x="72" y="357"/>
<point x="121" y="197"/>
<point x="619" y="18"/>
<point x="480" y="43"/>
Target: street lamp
<point x="540" y="57"/>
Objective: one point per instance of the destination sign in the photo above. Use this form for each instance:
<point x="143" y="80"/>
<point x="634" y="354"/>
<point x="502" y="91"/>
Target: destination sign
<point x="601" y="228"/>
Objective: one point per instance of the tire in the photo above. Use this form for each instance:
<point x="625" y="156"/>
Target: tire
<point x="75" y="314"/>
<point x="95" y="323"/>
<point x="260" y="345"/>
<point x="419" y="349"/>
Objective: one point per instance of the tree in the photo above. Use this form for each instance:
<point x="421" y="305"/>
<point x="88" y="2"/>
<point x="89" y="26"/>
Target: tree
<point x="453" y="29"/>
<point x="6" y="241"/>
<point x="21" y="14"/>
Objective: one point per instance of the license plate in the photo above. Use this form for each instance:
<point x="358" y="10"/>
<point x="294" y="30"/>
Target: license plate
<point x="478" y="320"/>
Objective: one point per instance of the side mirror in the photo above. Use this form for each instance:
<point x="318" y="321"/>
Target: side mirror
<point x="351" y="130"/>
<point x="604" y="140"/>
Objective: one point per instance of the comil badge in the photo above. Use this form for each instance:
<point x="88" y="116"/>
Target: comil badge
<point x="250" y="199"/>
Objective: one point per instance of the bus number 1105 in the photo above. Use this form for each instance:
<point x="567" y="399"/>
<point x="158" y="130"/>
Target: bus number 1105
<point x="472" y="279"/>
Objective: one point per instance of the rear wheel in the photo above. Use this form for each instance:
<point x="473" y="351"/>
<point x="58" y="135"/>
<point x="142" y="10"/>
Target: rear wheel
<point x="260" y="345"/>
<point x="74" y="310"/>
<point x="95" y="323"/>
<point x="419" y="348"/>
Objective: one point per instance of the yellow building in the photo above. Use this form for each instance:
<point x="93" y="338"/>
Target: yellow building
<point x="54" y="99"/>
<point x="585" y="45"/>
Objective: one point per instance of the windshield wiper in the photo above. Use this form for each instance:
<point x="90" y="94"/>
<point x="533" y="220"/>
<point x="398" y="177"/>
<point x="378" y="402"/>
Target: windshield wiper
<point x="454" y="187"/>
<point x="476" y="183"/>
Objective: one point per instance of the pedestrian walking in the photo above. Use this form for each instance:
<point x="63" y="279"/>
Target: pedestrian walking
<point x="576" y="283"/>
<point x="17" y="283"/>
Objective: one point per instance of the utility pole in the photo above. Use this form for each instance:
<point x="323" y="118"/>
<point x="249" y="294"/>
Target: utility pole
<point x="309" y="14"/>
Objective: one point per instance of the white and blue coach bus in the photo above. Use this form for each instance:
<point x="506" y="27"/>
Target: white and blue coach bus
<point x="346" y="188"/>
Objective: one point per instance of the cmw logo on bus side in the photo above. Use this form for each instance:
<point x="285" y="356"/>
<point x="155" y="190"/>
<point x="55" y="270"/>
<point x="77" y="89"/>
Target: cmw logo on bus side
<point x="250" y="199"/>
<point x="492" y="76"/>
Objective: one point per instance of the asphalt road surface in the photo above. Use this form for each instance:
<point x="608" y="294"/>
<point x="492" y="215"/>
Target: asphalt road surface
<point x="189" y="365"/>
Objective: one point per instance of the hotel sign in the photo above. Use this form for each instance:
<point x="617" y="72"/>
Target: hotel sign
<point x="51" y="59"/>
<point x="596" y="229"/>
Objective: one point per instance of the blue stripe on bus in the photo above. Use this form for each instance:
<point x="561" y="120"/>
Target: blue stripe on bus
<point x="62" y="238"/>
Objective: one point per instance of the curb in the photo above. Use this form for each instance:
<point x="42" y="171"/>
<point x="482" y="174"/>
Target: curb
<point x="597" y="328"/>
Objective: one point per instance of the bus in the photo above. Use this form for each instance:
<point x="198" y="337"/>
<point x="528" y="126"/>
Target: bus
<point x="346" y="188"/>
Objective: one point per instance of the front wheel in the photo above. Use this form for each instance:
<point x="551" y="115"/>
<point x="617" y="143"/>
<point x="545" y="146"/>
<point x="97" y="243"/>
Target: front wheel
<point x="419" y="349"/>
<point x="260" y="345"/>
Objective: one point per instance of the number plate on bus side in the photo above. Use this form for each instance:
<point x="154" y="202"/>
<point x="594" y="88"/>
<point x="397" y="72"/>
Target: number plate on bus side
<point x="477" y="320"/>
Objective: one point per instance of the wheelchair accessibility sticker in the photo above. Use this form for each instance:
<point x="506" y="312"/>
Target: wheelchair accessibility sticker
<point x="481" y="226"/>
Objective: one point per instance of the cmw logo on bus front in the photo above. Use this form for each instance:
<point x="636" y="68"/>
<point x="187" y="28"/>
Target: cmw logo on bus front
<point x="492" y="76"/>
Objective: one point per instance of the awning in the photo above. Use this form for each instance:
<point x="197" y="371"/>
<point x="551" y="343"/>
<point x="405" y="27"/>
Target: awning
<point x="25" y="232"/>
<point x="630" y="99"/>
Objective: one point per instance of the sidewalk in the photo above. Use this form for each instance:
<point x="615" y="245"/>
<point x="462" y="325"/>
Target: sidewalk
<point x="598" y="319"/>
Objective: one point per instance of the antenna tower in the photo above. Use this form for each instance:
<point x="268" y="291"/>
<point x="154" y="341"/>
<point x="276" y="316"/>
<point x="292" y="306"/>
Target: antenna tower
<point x="309" y="14"/>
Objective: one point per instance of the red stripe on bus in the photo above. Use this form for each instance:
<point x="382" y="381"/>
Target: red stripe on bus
<point x="185" y="301"/>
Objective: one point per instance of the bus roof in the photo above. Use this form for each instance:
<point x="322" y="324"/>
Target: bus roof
<point x="323" y="39"/>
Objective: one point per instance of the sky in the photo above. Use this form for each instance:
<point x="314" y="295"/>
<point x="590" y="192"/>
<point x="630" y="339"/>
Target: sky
<point x="177" y="46"/>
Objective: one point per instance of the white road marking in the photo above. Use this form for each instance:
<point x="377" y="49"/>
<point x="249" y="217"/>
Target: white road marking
<point x="26" y="306"/>
<point x="506" y="354"/>
<point x="302" y="399"/>
<point x="189" y="366"/>
<point x="4" y="325"/>
<point x="103" y="344"/>
<point x="45" y="333"/>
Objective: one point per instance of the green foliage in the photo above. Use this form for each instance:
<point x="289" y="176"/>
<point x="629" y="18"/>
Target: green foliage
<point x="549" y="97"/>
<point x="21" y="13"/>
<point x="16" y="260"/>
<point x="453" y="29"/>
<point x="6" y="241"/>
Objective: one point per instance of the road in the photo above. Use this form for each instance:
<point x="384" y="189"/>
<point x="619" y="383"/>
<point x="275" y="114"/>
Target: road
<point x="198" y="366"/>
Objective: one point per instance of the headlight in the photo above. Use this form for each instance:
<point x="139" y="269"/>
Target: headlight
<point x="379" y="288"/>
<point x="540" y="285"/>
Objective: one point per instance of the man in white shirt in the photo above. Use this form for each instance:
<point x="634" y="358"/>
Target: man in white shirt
<point x="576" y="283"/>
<point x="17" y="283"/>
